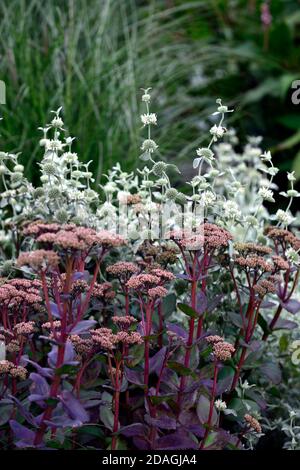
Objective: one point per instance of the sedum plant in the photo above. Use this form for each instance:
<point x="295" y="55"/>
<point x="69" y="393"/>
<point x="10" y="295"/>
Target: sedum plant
<point x="145" y="316"/>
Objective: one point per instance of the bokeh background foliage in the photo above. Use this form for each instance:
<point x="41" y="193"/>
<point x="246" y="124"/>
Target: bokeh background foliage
<point x="92" y="57"/>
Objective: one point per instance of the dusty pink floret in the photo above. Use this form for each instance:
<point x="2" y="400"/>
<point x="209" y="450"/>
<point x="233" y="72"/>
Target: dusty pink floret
<point x="158" y="291"/>
<point x="223" y="350"/>
<point x="163" y="274"/>
<point x="103" y="290"/>
<point x="122" y="268"/>
<point x="142" y="281"/>
<point x="253" y="423"/>
<point x="56" y="325"/>
<point x="280" y="263"/>
<point x="39" y="259"/>
<point x="24" y="328"/>
<point x="207" y="235"/>
<point x="212" y="339"/>
<point x="123" y="321"/>
<point x="254" y="262"/>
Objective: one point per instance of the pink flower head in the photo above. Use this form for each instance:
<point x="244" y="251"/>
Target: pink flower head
<point x="122" y="268"/>
<point x="24" y="328"/>
<point x="39" y="259"/>
<point x="222" y="350"/>
<point x="212" y="339"/>
<point x="143" y="281"/>
<point x="157" y="292"/>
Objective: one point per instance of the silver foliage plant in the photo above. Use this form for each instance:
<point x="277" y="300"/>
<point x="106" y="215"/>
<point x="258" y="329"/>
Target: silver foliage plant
<point x="229" y="186"/>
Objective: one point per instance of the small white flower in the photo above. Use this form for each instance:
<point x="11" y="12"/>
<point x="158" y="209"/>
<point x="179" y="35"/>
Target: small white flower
<point x="292" y="255"/>
<point x="291" y="176"/>
<point x="146" y="97"/>
<point x="266" y="194"/>
<point x="266" y="156"/>
<point x="283" y="217"/>
<point x="207" y="198"/>
<point x="149" y="146"/>
<point x="57" y="122"/>
<point x="245" y="385"/>
<point x="54" y="145"/>
<point x="148" y="119"/>
<point x="251" y="221"/>
<point x="231" y="210"/>
<point x="217" y="131"/>
<point x="220" y="405"/>
<point x="205" y="153"/>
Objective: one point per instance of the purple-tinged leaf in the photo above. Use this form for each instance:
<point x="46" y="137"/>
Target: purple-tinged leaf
<point x="44" y="371"/>
<point x="292" y="306"/>
<point x="164" y="422"/>
<point x="182" y="276"/>
<point x="203" y="411"/>
<point x="69" y="355"/>
<point x="82" y="276"/>
<point x="63" y="421"/>
<point x="141" y="443"/>
<point x="24" y="412"/>
<point x="73" y="407"/>
<point x="196" y="429"/>
<point x="282" y="324"/>
<point x="255" y="396"/>
<point x="54" y="310"/>
<point x="175" y="441"/>
<point x="201" y="303"/>
<point x="272" y="371"/>
<point x="157" y="360"/>
<point x="25" y="437"/>
<point x="39" y="389"/>
<point x="135" y="429"/>
<point x="82" y="326"/>
<point x="178" y="330"/>
<point x="133" y="376"/>
<point x="267" y="304"/>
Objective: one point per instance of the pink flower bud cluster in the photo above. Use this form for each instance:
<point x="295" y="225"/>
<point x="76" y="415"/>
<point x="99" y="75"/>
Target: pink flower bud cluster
<point x="123" y="322"/>
<point x="82" y="345"/>
<point x="122" y="268"/>
<point x="253" y="423"/>
<point x="18" y="372"/>
<point x="284" y="237"/>
<point x="280" y="263"/>
<point x="207" y="235"/>
<point x="222" y="350"/>
<point x="72" y="237"/>
<point x="106" y="339"/>
<point x="39" y="259"/>
<point x="18" y="292"/>
<point x="24" y="328"/>
<point x="143" y="281"/>
<point x="157" y="292"/>
<point x="104" y="291"/>
<point x="254" y="262"/>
